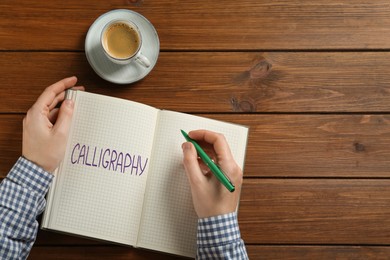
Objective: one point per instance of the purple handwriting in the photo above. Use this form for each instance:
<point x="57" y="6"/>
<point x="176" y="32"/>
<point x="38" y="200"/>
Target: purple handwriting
<point x="108" y="159"/>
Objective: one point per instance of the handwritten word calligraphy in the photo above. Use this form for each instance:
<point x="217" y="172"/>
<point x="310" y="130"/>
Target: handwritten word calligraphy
<point x="108" y="159"/>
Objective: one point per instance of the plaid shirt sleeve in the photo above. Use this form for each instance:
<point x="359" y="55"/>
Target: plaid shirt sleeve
<point x="219" y="238"/>
<point x="22" y="199"/>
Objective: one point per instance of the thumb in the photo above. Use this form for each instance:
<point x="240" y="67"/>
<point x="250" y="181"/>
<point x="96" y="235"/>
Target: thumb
<point x="191" y="165"/>
<point x="65" y="113"/>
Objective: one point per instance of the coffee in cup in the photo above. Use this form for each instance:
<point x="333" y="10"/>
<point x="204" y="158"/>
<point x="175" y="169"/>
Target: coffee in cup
<point x="122" y="41"/>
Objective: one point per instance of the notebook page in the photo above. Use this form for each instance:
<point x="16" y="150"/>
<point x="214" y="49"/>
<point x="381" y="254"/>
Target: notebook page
<point x="169" y="221"/>
<point x="101" y="184"/>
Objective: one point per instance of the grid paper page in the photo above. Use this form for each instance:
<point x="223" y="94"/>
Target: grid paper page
<point x="169" y="220"/>
<point x="98" y="201"/>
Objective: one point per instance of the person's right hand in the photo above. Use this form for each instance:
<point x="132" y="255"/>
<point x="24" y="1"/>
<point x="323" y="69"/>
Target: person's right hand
<point x="209" y="196"/>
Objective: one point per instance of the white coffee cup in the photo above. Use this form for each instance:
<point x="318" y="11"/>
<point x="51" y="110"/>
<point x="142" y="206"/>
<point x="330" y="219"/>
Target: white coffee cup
<point x="121" y="41"/>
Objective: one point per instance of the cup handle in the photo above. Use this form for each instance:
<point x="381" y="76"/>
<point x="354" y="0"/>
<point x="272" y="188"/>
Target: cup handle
<point x="143" y="60"/>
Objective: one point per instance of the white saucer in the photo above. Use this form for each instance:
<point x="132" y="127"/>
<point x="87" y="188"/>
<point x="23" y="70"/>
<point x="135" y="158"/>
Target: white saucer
<point x="121" y="74"/>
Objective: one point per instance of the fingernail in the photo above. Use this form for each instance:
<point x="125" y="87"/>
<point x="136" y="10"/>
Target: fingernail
<point x="205" y="171"/>
<point x="185" y="146"/>
<point x="69" y="103"/>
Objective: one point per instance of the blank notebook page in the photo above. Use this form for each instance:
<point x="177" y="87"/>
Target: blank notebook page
<point x="169" y="221"/>
<point x="98" y="201"/>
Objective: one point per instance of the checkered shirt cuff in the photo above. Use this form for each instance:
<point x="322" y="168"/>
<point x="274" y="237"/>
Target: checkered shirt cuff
<point x="218" y="230"/>
<point x="31" y="176"/>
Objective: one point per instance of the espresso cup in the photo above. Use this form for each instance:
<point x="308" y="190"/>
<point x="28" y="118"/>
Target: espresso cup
<point x="121" y="41"/>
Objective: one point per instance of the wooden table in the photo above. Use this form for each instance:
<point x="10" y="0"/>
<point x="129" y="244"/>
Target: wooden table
<point x="310" y="78"/>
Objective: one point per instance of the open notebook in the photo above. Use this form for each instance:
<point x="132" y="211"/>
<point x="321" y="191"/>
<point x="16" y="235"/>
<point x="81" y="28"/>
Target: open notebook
<point x="122" y="178"/>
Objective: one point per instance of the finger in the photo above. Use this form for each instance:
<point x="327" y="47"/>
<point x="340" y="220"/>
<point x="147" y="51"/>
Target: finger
<point x="82" y="88"/>
<point x="53" y="114"/>
<point x="50" y="93"/>
<point x="203" y="167"/>
<point x="60" y="97"/>
<point x="217" y="140"/>
<point x="65" y="113"/>
<point x="191" y="165"/>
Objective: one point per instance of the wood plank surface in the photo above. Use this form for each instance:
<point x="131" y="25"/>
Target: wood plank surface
<point x="254" y="252"/>
<point x="318" y="252"/>
<point x="315" y="211"/>
<point x="218" y="81"/>
<point x="10" y="141"/>
<point x="205" y="25"/>
<point x="282" y="145"/>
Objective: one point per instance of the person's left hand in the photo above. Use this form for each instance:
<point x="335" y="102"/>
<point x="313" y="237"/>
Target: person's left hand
<point x="46" y="128"/>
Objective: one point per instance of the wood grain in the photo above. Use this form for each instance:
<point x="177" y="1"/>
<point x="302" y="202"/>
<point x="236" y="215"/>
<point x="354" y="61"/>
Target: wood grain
<point x="218" y="82"/>
<point x="316" y="145"/>
<point x="311" y="211"/>
<point x="254" y="252"/>
<point x="318" y="252"/>
<point x="10" y="141"/>
<point x="282" y="145"/>
<point x="205" y="25"/>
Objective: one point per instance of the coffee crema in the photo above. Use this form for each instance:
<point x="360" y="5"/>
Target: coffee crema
<point x="121" y="40"/>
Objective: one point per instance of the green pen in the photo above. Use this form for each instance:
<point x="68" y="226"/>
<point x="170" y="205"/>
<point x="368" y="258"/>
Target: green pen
<point x="218" y="173"/>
